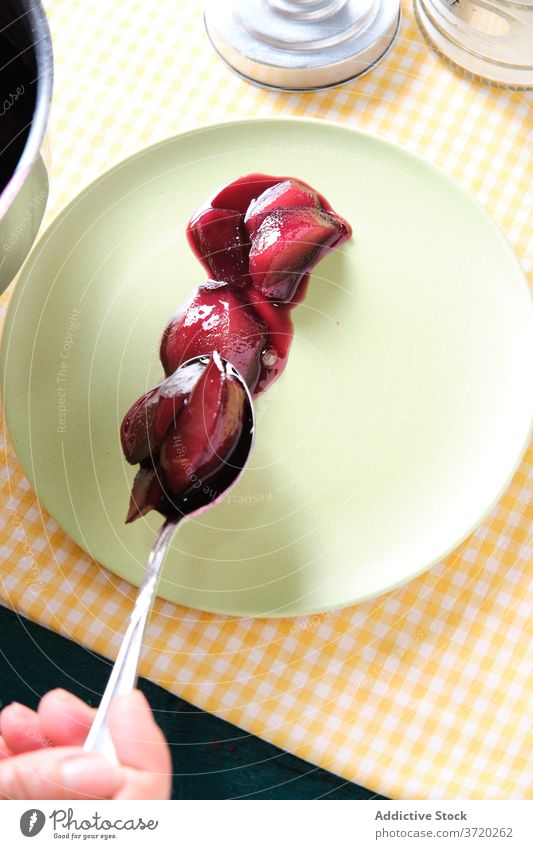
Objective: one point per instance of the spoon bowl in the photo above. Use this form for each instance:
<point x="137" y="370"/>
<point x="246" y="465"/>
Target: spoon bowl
<point x="197" y="500"/>
<point x="193" y="502"/>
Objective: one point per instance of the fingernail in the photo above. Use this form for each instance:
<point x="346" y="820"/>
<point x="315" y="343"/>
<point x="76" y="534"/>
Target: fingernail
<point x="90" y="775"/>
<point x="69" y="704"/>
<point x="22" y="711"/>
<point x="62" y="695"/>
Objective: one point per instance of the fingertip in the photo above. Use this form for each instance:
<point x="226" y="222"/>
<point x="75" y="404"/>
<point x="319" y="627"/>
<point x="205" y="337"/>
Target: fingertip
<point x="138" y="739"/>
<point x="60" y="698"/>
<point x="135" y="706"/>
<point x="65" y="718"/>
<point x="21" y="729"/>
<point x="17" y="708"/>
<point x="135" y="699"/>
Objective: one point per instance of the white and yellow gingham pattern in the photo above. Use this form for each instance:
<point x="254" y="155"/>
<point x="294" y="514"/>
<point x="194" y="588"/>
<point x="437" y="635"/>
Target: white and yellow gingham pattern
<point x="426" y="692"/>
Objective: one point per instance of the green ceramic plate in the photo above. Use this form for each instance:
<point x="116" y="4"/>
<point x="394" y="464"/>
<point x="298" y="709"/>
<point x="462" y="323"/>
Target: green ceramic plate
<point x="395" y="427"/>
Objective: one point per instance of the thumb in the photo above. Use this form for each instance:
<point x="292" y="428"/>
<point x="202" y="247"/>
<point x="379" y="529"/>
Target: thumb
<point x="59" y="773"/>
<point x="140" y="744"/>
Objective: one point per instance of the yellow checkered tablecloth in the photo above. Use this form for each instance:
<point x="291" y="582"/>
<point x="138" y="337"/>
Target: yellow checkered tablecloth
<point x="425" y="692"/>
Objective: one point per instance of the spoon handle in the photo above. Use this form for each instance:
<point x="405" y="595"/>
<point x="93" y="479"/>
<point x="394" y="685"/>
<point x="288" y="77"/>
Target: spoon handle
<point x="124" y="672"/>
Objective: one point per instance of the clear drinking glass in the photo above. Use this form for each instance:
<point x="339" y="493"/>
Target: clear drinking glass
<point x="302" y="45"/>
<point x="491" y="39"/>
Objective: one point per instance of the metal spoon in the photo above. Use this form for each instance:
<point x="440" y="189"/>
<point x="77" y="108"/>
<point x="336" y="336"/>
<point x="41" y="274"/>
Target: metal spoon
<point x="124" y="673"/>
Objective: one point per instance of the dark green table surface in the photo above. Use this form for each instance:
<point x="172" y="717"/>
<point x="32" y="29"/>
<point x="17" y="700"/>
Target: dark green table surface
<point x="212" y="759"/>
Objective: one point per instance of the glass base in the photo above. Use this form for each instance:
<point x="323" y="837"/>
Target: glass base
<point x="489" y="39"/>
<point x="283" y="45"/>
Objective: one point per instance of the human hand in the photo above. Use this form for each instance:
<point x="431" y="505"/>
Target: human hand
<point x="41" y="754"/>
